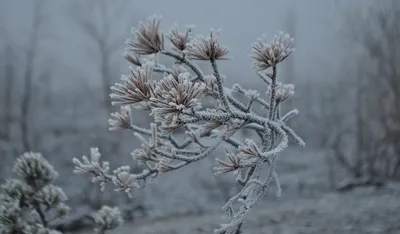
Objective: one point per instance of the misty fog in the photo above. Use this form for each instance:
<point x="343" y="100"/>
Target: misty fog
<point x="58" y="59"/>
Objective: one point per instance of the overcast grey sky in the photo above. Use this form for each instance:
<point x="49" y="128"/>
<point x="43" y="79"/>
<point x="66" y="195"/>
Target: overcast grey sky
<point x="317" y="26"/>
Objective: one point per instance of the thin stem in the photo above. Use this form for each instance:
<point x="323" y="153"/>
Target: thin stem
<point x="37" y="207"/>
<point x="249" y="105"/>
<point x="289" y="115"/>
<point x="278" y="111"/>
<point x="264" y="77"/>
<point x="41" y="214"/>
<point x="161" y="70"/>
<point x="272" y="102"/>
<point x="247" y="176"/>
<point x="203" y="155"/>
<point x="236" y="103"/>
<point x="222" y="95"/>
<point x="241" y="90"/>
<point x="269" y="143"/>
<point x="206" y="116"/>
<point x="185" y="61"/>
<point x="266" y="145"/>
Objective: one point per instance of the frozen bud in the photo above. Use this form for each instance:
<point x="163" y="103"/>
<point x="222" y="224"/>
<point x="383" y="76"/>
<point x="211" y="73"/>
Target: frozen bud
<point x="147" y="38"/>
<point x="250" y="150"/>
<point x="124" y="180"/>
<point x="133" y="59"/>
<point x="172" y="96"/>
<point x="210" y="126"/>
<point x="16" y="189"/>
<point x="95" y="155"/>
<point x="206" y="48"/>
<point x="107" y="218"/>
<point x="34" y="169"/>
<point x="180" y="40"/>
<point x="142" y="155"/>
<point x="50" y="195"/>
<point x="252" y="94"/>
<point x="177" y="70"/>
<point x="164" y="165"/>
<point x="283" y="92"/>
<point x="122" y="120"/>
<point x="232" y="165"/>
<point x="93" y="167"/>
<point x="135" y="89"/>
<point x="267" y="54"/>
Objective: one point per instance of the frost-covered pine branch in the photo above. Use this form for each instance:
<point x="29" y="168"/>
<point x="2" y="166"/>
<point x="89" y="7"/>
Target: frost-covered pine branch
<point x="176" y="102"/>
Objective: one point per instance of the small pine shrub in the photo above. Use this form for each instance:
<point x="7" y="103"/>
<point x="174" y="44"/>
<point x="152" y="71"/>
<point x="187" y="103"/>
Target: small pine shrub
<point x="30" y="202"/>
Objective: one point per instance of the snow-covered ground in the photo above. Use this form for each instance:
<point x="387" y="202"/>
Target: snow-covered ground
<point x="359" y="212"/>
<point x="308" y="205"/>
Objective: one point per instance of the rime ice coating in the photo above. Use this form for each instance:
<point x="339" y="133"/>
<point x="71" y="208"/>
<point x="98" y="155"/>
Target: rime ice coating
<point x="176" y="102"/>
<point x="30" y="202"/>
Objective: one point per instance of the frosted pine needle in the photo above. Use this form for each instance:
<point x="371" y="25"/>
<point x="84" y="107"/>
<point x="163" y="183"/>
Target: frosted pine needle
<point x="121" y="120"/>
<point x="148" y="40"/>
<point x="283" y="92"/>
<point x="180" y="40"/>
<point x="268" y="54"/>
<point x="173" y="96"/>
<point x="250" y="150"/>
<point x="34" y="168"/>
<point x="136" y="88"/>
<point x="93" y="167"/>
<point x="134" y="59"/>
<point x="50" y="195"/>
<point x="107" y="218"/>
<point x="232" y="166"/>
<point x="206" y="48"/>
<point x="124" y="180"/>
